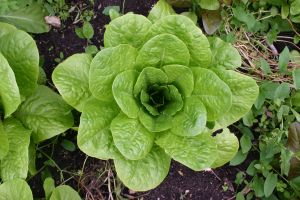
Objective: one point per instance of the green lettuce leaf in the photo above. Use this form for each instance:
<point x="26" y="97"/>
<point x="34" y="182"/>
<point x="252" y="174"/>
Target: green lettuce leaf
<point x="130" y="137"/>
<point x="71" y="78"/>
<point x="15" y="163"/>
<point x="16" y="189"/>
<point x="106" y="65"/>
<point x="94" y="136"/>
<point x="6" y="28"/>
<point x="158" y="123"/>
<point x="160" y="10"/>
<point x="9" y="91"/>
<point x="4" y="145"/>
<point x="64" y="192"/>
<point x="45" y="113"/>
<point x="213" y="92"/>
<point x="129" y="29"/>
<point x="144" y="174"/>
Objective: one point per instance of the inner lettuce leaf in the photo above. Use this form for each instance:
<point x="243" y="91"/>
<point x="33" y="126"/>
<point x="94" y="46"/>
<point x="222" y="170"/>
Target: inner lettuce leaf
<point x="156" y="95"/>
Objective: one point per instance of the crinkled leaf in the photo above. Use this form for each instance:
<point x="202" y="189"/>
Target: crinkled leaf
<point x="106" y="65"/>
<point x="174" y="101"/>
<point x="144" y="174"/>
<point x="185" y="29"/>
<point x="227" y="145"/>
<point x="6" y="28"/>
<point x="130" y="137"/>
<point x="224" y="55"/>
<point x="181" y="77"/>
<point x="16" y="189"/>
<point x="163" y="49"/>
<point x="244" y="93"/>
<point x="211" y="20"/>
<point x="15" y="163"/>
<point x="22" y="55"/>
<point x="71" y="78"/>
<point x="94" y="136"/>
<point x="160" y="10"/>
<point x="197" y="153"/>
<point x="213" y="92"/>
<point x="122" y="89"/>
<point x="29" y="18"/>
<point x="64" y="192"/>
<point x="158" y="123"/>
<point x="148" y="77"/>
<point x="128" y="29"/>
<point x="209" y="4"/>
<point x="3" y="142"/>
<point x="9" y="91"/>
<point x="191" y="120"/>
<point x="45" y="113"/>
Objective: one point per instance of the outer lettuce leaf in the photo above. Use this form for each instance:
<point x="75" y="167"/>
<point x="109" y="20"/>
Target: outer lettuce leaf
<point x="4" y="145"/>
<point x="144" y="174"/>
<point x="94" y="136"/>
<point x="197" y="153"/>
<point x="185" y="29"/>
<point x="213" y="92"/>
<point x="15" y="163"/>
<point x="227" y="145"/>
<point x="6" y="28"/>
<point x="16" y="189"/>
<point x="244" y="93"/>
<point x="129" y="29"/>
<point x="130" y="137"/>
<point x="64" y="192"/>
<point x="191" y="120"/>
<point x="160" y="10"/>
<point x="122" y="89"/>
<point x="106" y="65"/>
<point x="9" y="91"/>
<point x="45" y="113"/>
<point x="21" y="52"/>
<point x="71" y="78"/>
<point x="224" y="55"/>
<point x="163" y="49"/>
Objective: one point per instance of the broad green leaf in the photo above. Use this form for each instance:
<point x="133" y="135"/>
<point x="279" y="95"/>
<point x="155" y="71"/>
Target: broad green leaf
<point x="3" y="142"/>
<point x="94" y="136"/>
<point x="16" y="189"/>
<point x="64" y="192"/>
<point x="49" y="186"/>
<point x="270" y="184"/>
<point x="91" y="49"/>
<point x="6" y="28"/>
<point x="144" y="174"/>
<point x="213" y="92"/>
<point x="160" y="10"/>
<point x="296" y="78"/>
<point x="148" y="77"/>
<point x="295" y="7"/>
<point x="87" y="30"/>
<point x="21" y="52"/>
<point x="29" y="18"/>
<point x="185" y="29"/>
<point x="158" y="123"/>
<point x="284" y="58"/>
<point x="71" y="78"/>
<point x="238" y="158"/>
<point x="163" y="49"/>
<point x="267" y="89"/>
<point x="282" y="92"/>
<point x="209" y="4"/>
<point x="244" y="93"/>
<point x="211" y="20"/>
<point x="258" y="186"/>
<point x="130" y="137"/>
<point x="129" y="29"/>
<point x="15" y="163"/>
<point x="224" y="55"/>
<point x="9" y="91"/>
<point x="45" y="113"/>
<point x="122" y="89"/>
<point x="106" y="65"/>
<point x="191" y="121"/>
<point x="181" y="77"/>
<point x="227" y="146"/>
<point x="246" y="143"/>
<point x="197" y="153"/>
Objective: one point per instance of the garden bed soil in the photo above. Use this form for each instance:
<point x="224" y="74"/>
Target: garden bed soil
<point x="181" y="182"/>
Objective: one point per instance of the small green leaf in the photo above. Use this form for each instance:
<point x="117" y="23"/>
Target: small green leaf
<point x="295" y="7"/>
<point x="160" y="10"/>
<point x="87" y="30"/>
<point x="91" y="49"/>
<point x="258" y="186"/>
<point x="79" y="32"/>
<point x="285" y="10"/>
<point x="270" y="184"/>
<point x="246" y="143"/>
<point x="284" y="59"/>
<point x="191" y="15"/>
<point x="64" y="192"/>
<point x="49" y="186"/>
<point x="68" y="145"/>
<point x="282" y="92"/>
<point x="264" y="65"/>
<point x="285" y="158"/>
<point x="16" y="189"/>
<point x="296" y="78"/>
<point x="239" y="158"/>
<point x="240" y="196"/>
<point x="108" y="8"/>
<point x="248" y="119"/>
<point x="209" y="4"/>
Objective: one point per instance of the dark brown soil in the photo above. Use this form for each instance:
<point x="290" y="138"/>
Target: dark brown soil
<point x="181" y="183"/>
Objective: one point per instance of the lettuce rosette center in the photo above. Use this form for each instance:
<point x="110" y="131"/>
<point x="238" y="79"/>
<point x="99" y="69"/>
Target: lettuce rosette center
<point x="158" y="90"/>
